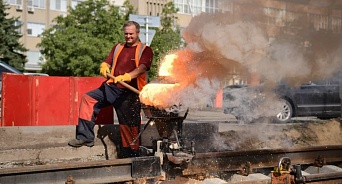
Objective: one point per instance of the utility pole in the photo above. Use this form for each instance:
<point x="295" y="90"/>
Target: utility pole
<point x="146" y="31"/>
<point x="147" y="21"/>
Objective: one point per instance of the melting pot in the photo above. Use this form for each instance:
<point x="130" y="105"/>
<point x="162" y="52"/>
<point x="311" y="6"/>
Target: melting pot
<point x="165" y="120"/>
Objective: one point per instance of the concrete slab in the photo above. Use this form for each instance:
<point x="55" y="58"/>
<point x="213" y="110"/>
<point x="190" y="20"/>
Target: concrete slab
<point x="210" y="115"/>
<point x="257" y="177"/>
<point x="22" y="137"/>
<point x="42" y="144"/>
<point x="22" y="146"/>
<point x="324" y="169"/>
<point x="305" y="173"/>
<point x="28" y="145"/>
<point x="213" y="181"/>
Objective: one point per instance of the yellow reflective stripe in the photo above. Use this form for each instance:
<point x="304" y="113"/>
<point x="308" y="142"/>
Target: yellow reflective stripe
<point x="138" y="52"/>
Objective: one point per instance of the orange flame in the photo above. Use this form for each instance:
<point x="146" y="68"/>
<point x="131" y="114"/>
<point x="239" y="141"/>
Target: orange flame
<point x="185" y="78"/>
<point x="164" y="95"/>
<point x="166" y="66"/>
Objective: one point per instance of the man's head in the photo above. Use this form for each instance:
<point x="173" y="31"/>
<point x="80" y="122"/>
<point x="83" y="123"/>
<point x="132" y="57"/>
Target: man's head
<point x="131" y="31"/>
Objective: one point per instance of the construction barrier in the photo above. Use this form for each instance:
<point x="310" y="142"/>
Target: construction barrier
<point x="47" y="100"/>
<point x="219" y="99"/>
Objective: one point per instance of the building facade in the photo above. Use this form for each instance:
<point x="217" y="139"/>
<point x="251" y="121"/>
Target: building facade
<point x="187" y="8"/>
<point x="37" y="15"/>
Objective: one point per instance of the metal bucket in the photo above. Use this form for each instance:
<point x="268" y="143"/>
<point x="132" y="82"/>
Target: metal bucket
<point x="165" y="121"/>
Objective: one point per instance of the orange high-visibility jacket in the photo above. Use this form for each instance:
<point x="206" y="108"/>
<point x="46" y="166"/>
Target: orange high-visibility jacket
<point x="142" y="79"/>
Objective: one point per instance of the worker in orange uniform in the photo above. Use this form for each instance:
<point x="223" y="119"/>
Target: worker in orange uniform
<point x="129" y="62"/>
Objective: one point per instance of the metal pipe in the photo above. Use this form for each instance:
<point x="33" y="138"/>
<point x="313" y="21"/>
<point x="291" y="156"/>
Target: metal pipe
<point x="176" y="136"/>
<point x="299" y="177"/>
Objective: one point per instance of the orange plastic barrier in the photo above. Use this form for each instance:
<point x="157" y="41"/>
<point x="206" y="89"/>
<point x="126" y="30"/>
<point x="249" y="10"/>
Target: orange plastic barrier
<point x="254" y="79"/>
<point x="219" y="99"/>
<point x="46" y="100"/>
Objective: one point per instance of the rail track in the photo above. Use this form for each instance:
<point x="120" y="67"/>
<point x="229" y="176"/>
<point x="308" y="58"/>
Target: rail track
<point x="265" y="161"/>
<point x="104" y="171"/>
<point x="202" y="164"/>
<point x="264" y="158"/>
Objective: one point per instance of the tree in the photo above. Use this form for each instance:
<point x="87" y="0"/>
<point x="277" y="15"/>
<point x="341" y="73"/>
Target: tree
<point x="166" y="39"/>
<point x="129" y="9"/>
<point x="11" y="50"/>
<point x="79" y="42"/>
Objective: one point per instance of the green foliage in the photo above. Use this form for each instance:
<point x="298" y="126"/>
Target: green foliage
<point x="129" y="9"/>
<point x="79" y="42"/>
<point x="11" y="50"/>
<point x="168" y="16"/>
<point x="167" y="39"/>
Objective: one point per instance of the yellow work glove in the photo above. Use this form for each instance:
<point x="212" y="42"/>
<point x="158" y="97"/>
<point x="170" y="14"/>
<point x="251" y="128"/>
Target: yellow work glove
<point x="104" y="69"/>
<point x="125" y="77"/>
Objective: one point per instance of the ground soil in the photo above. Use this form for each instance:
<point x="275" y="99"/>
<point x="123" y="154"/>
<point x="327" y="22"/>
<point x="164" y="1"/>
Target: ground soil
<point x="281" y="136"/>
<point x="291" y="135"/>
<point x="274" y="136"/>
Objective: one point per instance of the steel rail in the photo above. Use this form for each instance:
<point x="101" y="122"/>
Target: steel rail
<point x="247" y="161"/>
<point x="108" y="171"/>
<point x="101" y="171"/>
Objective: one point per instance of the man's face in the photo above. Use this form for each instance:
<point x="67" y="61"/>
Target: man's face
<point x="131" y="35"/>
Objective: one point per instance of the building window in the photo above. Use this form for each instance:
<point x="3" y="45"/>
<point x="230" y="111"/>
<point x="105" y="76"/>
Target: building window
<point x="275" y="16"/>
<point x="33" y="56"/>
<point x="153" y="8"/>
<point x="13" y="2"/>
<point x="74" y="3"/>
<point x="18" y="23"/>
<point x="38" y="3"/>
<point x="34" y="60"/>
<point x="196" y="7"/>
<point x="185" y="6"/>
<point x="179" y="5"/>
<point x="60" y="5"/>
<point x="211" y="6"/>
<point x="35" y="29"/>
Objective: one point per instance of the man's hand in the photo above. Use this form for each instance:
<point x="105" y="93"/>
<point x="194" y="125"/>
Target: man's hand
<point x="125" y="77"/>
<point x="104" y="69"/>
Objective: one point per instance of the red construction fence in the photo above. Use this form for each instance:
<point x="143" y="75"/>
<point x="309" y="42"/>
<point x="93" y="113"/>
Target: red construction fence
<point x="50" y="100"/>
<point x="46" y="100"/>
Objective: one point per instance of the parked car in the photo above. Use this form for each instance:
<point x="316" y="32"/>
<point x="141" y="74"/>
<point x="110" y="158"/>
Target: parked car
<point x="319" y="98"/>
<point x="36" y="74"/>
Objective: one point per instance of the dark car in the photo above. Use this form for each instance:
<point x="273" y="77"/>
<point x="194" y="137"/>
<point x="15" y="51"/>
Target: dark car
<point x="282" y="102"/>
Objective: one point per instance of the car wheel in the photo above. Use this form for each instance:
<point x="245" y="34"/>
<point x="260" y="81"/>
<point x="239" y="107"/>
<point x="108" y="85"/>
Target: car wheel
<point x="286" y="113"/>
